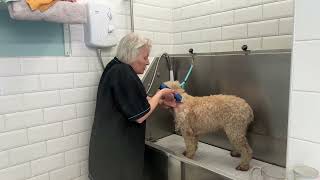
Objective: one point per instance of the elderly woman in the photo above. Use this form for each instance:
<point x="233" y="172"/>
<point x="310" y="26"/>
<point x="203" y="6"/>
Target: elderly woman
<point x="118" y="132"/>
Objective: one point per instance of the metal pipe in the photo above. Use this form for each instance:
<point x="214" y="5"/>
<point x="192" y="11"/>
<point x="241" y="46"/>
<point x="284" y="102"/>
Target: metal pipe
<point x="131" y="16"/>
<point x="155" y="71"/>
<point x="100" y="57"/>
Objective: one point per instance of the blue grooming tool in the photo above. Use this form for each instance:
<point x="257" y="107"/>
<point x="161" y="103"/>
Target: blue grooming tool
<point x="177" y="96"/>
<point x="183" y="84"/>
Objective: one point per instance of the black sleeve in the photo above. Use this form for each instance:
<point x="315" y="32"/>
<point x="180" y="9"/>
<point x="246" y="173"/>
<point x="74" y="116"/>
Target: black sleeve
<point x="129" y="94"/>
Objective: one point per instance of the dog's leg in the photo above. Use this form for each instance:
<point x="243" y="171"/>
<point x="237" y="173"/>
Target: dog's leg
<point x="235" y="153"/>
<point x="240" y="143"/>
<point x="246" y="154"/>
<point x="191" y="142"/>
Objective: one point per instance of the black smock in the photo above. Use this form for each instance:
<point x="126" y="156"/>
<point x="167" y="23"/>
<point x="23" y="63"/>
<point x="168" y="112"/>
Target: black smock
<point x="116" y="149"/>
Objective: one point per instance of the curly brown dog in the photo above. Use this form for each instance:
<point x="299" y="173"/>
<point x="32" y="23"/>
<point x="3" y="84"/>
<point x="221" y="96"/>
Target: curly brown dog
<point x="201" y="115"/>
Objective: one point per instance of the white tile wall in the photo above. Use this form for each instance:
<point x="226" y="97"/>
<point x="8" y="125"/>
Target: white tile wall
<point x="156" y="3"/>
<point x="77" y="125"/>
<point x="240" y="21"/>
<point x="86" y="79"/>
<point x="56" y="81"/>
<point x="191" y="36"/>
<point x="41" y="177"/>
<point x="263" y="28"/>
<point x="306" y="61"/>
<point x="38" y="66"/>
<point x="232" y="4"/>
<point x="47" y="103"/>
<point x="4" y="159"/>
<point x="22" y="171"/>
<point x="1" y="123"/>
<point x="84" y="138"/>
<point x="163" y="38"/>
<point x="222" y="46"/>
<point x="238" y="31"/>
<point x="19" y="84"/>
<point x="66" y="173"/>
<point x="84" y="167"/>
<point x="77" y="155"/>
<point x="13" y="139"/>
<point x="286" y="26"/>
<point x="72" y="65"/>
<point x="278" y="9"/>
<point x="10" y="67"/>
<point x="277" y="42"/>
<point x="27" y="153"/>
<point x="40" y="99"/>
<point x="85" y="109"/>
<point x="70" y="96"/>
<point x="305" y="108"/>
<point x="11" y="103"/>
<point x="149" y="11"/>
<point x="222" y="19"/>
<point x="199" y="22"/>
<point x="84" y="177"/>
<point x="194" y="10"/>
<point x="304" y="140"/>
<point x="62" y="144"/>
<point x="181" y="3"/>
<point x="254" y="2"/>
<point x="59" y="113"/>
<point x="248" y="14"/>
<point x="310" y="29"/>
<point x="181" y="25"/>
<point x="212" y="34"/>
<point x="301" y="152"/>
<point x="154" y="25"/>
<point x="47" y="164"/>
<point x="267" y="1"/>
<point x="45" y="132"/>
<point x="23" y="119"/>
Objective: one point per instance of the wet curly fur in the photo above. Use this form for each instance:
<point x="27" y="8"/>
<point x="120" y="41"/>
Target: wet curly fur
<point x="201" y="115"/>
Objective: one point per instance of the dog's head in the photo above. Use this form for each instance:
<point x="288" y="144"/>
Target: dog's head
<point x="175" y="85"/>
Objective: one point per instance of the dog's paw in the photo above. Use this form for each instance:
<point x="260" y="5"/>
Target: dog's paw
<point x="243" y="167"/>
<point x="187" y="155"/>
<point x="235" y="154"/>
<point x="184" y="153"/>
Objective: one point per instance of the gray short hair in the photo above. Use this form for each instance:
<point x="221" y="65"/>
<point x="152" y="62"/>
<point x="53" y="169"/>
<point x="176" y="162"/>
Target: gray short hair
<point x="129" y="46"/>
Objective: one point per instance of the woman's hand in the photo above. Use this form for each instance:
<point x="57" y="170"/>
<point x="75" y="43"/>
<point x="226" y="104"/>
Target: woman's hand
<point x="167" y="98"/>
<point x="157" y="99"/>
<point x="166" y="91"/>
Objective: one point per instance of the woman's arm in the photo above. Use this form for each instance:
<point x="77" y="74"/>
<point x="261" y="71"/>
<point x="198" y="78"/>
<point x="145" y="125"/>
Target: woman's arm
<point x="154" y="101"/>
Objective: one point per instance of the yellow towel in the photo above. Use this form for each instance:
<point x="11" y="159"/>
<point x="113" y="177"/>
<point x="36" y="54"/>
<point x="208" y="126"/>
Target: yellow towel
<point x="35" y="4"/>
<point x="45" y="7"/>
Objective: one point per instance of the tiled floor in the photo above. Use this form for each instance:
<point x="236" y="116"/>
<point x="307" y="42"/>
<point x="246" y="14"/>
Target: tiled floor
<point x="212" y="158"/>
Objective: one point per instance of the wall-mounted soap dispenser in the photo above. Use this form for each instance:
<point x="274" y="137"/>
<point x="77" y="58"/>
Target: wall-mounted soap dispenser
<point x="99" y="30"/>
